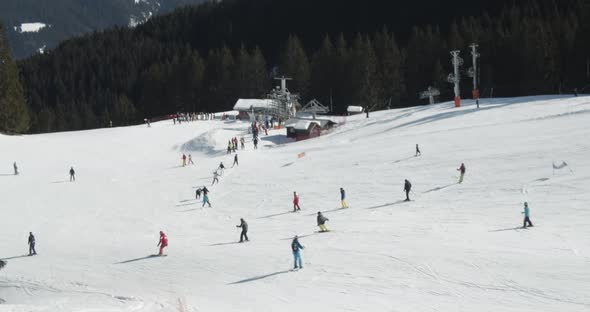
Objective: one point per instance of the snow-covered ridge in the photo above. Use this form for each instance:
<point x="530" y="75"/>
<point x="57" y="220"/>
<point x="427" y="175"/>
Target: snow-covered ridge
<point x="455" y="247"/>
<point x="30" y="27"/>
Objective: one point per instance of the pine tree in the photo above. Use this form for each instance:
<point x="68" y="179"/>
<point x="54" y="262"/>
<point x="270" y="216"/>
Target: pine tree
<point x="14" y="113"/>
<point x="390" y="68"/>
<point x="295" y="64"/>
<point x="322" y="72"/>
<point x="364" y="74"/>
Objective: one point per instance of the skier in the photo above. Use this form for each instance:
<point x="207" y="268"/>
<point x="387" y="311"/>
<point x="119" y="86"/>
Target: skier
<point x="296" y="247"/>
<point x="32" y="250"/>
<point x="198" y="193"/>
<point x="343" y="198"/>
<point x="221" y="167"/>
<point x="322" y="222"/>
<point x="407" y="188"/>
<point x="255" y="143"/>
<point x="183" y="159"/>
<point x="206" y="198"/>
<point x="526" y="213"/>
<point x="162" y="243"/>
<point x="190" y="159"/>
<point x="462" y="169"/>
<point x="228" y="147"/>
<point x="235" y="161"/>
<point x="296" y="202"/>
<point x="72" y="174"/>
<point x="418" y="153"/>
<point x="244" y="226"/>
<point x="242" y="142"/>
<point x="215" y="177"/>
<point x="15" y="168"/>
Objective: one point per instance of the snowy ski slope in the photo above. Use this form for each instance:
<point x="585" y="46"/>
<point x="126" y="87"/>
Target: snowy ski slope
<point x="455" y="247"/>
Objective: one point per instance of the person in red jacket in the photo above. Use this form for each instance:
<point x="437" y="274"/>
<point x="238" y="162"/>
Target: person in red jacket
<point x="296" y="202"/>
<point x="163" y="242"/>
<point x="183" y="160"/>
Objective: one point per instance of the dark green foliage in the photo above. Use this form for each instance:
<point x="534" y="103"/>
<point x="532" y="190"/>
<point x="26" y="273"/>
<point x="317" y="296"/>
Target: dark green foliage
<point x="205" y="58"/>
<point x="14" y="114"/>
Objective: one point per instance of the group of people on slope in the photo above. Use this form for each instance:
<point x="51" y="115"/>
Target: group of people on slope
<point x="184" y="160"/>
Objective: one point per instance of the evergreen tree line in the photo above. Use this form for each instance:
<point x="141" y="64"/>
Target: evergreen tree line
<point x="124" y="75"/>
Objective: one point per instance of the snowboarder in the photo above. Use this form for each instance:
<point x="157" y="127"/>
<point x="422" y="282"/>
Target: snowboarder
<point x="407" y="188"/>
<point x="206" y="199"/>
<point x="462" y="170"/>
<point x="343" y="198"/>
<point x="526" y="213"/>
<point x="215" y="177"/>
<point x="235" y="161"/>
<point x="242" y="141"/>
<point x="244" y="226"/>
<point x="418" y="153"/>
<point x="190" y="159"/>
<point x="296" y="247"/>
<point x="183" y="159"/>
<point x="255" y="143"/>
<point x="198" y="193"/>
<point x="32" y="250"/>
<point x="15" y="168"/>
<point x="162" y="243"/>
<point x="72" y="174"/>
<point x="296" y="202"/>
<point x="322" y="222"/>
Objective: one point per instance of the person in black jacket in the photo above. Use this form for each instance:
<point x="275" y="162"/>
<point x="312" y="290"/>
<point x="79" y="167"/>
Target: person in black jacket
<point x="244" y="226"/>
<point x="322" y="222"/>
<point x="198" y="193"/>
<point x="72" y="174"/>
<point x="407" y="188"/>
<point x="462" y="171"/>
<point x="32" y="250"/>
<point x="235" y="161"/>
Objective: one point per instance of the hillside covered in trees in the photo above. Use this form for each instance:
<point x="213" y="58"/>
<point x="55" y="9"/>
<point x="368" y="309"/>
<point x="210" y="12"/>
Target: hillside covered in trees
<point x="345" y="52"/>
<point x="64" y="19"/>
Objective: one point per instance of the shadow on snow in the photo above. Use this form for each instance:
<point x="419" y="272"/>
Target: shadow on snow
<point x="256" y="278"/>
<point x="138" y="259"/>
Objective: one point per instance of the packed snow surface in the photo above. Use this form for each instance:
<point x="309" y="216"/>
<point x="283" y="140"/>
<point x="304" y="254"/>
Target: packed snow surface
<point x="455" y="247"/>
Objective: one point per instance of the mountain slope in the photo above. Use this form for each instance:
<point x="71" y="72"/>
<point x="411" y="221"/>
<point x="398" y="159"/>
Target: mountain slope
<point x="68" y="18"/>
<point x="456" y="247"/>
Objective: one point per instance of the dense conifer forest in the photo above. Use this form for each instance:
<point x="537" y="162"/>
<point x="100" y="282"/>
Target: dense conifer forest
<point x="377" y="54"/>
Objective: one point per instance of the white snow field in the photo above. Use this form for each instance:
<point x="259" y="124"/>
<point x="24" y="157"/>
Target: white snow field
<point x="455" y="247"/>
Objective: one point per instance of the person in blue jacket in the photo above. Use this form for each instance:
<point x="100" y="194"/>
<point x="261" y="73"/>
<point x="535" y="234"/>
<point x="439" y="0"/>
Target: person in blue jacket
<point x="296" y="247"/>
<point x="526" y="213"/>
